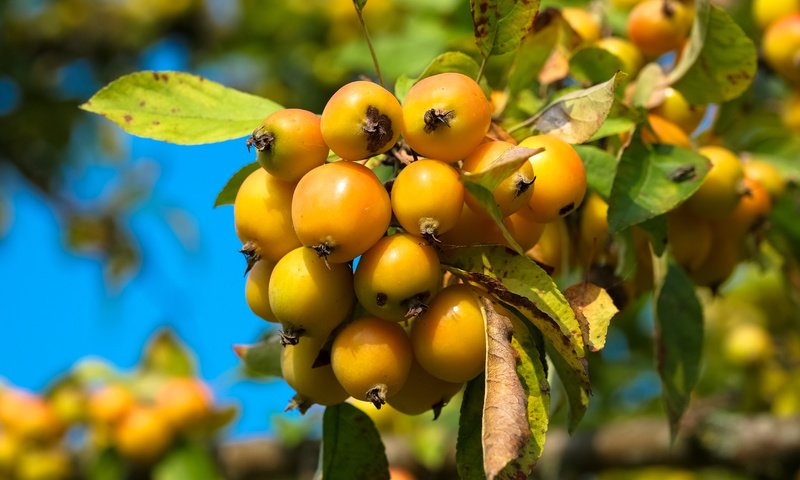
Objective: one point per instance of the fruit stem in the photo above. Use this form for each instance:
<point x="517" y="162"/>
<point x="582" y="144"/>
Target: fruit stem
<point x="369" y="44"/>
<point x="481" y="69"/>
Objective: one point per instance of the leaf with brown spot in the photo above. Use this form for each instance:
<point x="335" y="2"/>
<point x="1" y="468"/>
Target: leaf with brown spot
<point x="594" y="309"/>
<point x="519" y="281"/>
<point x="576" y="116"/>
<point x="500" y="25"/>
<point x="516" y="402"/>
<point x="179" y="108"/>
<point x="720" y="61"/>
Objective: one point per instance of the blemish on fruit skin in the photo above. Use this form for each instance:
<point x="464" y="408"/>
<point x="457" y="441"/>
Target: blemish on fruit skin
<point x="567" y="208"/>
<point x="378" y="128"/>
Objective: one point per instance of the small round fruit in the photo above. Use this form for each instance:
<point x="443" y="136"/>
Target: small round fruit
<point x="262" y="216"/>
<point x="256" y="289"/>
<point x="360" y="120"/>
<point x="340" y="210"/>
<point x="560" y="178"/>
<point x="677" y="110"/>
<point x="28" y="417"/>
<point x="658" y="26"/>
<point x="722" y="188"/>
<point x="371" y="359"/>
<point x="427" y="197"/>
<point x="627" y="52"/>
<point x="110" y="404"/>
<point x="289" y="144"/>
<point x="750" y="212"/>
<point x="550" y="250"/>
<point x="747" y="344"/>
<point x="314" y="385"/>
<point x="525" y="230"/>
<point x="309" y="296"/>
<point x="724" y="255"/>
<point x="423" y="392"/>
<point x="514" y="192"/>
<point x="767" y="174"/>
<point x="664" y="132"/>
<point x="143" y="435"/>
<point x="184" y="402"/>
<point x="473" y="228"/>
<point x="767" y="11"/>
<point x="10" y="450"/>
<point x="445" y="116"/>
<point x="449" y="339"/>
<point x="397" y="277"/>
<point x="43" y="464"/>
<point x="688" y="238"/>
<point x="594" y="237"/>
<point x="582" y="22"/>
<point x="790" y="111"/>
<point x="781" y="47"/>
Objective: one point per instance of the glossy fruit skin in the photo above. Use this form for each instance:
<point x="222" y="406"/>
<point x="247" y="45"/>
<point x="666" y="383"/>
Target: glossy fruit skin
<point x="473" y="228"/>
<point x="342" y="207"/>
<point x="551" y="249"/>
<point x="256" y="290"/>
<point x="289" y="144"/>
<point x="767" y="11"/>
<point x="725" y="254"/>
<point x="560" y="178"/>
<point x="360" y="120"/>
<point x="306" y="293"/>
<point x="688" y="238"/>
<point x="664" y="132"/>
<point x="677" y="110"/>
<point x="659" y="26"/>
<point x="427" y="198"/>
<point x="370" y="352"/>
<point x="514" y="192"/>
<point x="627" y="52"/>
<point x="750" y="212"/>
<point x="314" y="385"/>
<point x="525" y="230"/>
<point x="766" y="174"/>
<point x="445" y="116"/>
<point x="593" y="229"/>
<point x="110" y="404"/>
<point x="582" y="22"/>
<point x="184" y="402"/>
<point x="143" y="435"/>
<point x="449" y="339"/>
<point x="781" y="47"/>
<point x="398" y="273"/>
<point x="262" y="215"/>
<point x="422" y="391"/>
<point x="721" y="189"/>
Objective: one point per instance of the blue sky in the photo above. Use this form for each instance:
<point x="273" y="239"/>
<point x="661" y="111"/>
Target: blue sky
<point x="56" y="309"/>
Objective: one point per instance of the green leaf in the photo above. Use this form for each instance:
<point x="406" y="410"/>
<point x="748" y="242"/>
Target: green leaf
<point x="107" y="465"/>
<point x="486" y="200"/>
<point x="351" y="445"/>
<point x="651" y="181"/>
<point x="502" y="167"/>
<point x="227" y="195"/>
<point x="469" y="446"/>
<point x="187" y="461"/>
<point x="500" y="25"/>
<point x="165" y="354"/>
<point x="650" y="80"/>
<point x="360" y="4"/>
<point x="263" y="358"/>
<point x="577" y="391"/>
<point x="679" y="337"/>
<point x="520" y="282"/>
<point x="447" y="62"/>
<point x="532" y="56"/>
<point x="576" y="116"/>
<point x="656" y="229"/>
<point x="612" y="127"/>
<point x="593" y="65"/>
<point x="179" y="108"/>
<point x="719" y="63"/>
<point x="600" y="167"/>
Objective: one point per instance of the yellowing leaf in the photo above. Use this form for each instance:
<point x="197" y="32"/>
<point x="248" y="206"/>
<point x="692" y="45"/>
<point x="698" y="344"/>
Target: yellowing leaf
<point x="594" y="309"/>
<point x="500" y="25"/>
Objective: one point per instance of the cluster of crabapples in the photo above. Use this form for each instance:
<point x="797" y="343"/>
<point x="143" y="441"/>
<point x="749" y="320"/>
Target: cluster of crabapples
<point x="34" y="430"/>
<point x="303" y="220"/>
